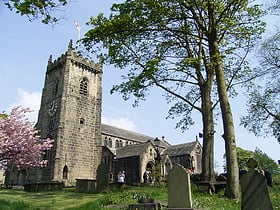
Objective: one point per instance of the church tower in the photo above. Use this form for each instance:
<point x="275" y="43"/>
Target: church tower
<point x="70" y="113"/>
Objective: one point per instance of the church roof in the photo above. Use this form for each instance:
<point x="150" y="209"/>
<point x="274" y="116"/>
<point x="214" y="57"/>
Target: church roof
<point x="131" y="150"/>
<point x="181" y="149"/>
<point x="128" y="135"/>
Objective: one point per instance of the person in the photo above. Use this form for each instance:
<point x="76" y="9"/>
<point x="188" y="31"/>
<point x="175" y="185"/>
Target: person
<point x="268" y="177"/>
<point x="145" y="177"/>
<point x="121" y="179"/>
<point x="111" y="176"/>
<point x="262" y="172"/>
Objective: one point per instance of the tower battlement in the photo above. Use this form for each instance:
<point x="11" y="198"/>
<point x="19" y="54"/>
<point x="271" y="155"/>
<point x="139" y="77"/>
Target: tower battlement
<point x="76" y="59"/>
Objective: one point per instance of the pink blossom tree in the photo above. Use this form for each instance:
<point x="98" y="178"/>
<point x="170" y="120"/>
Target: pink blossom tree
<point x="20" y="144"/>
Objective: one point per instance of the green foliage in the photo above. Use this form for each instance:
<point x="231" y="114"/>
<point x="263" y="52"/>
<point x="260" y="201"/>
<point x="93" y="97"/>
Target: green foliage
<point x="179" y="46"/>
<point x="263" y="117"/>
<point x="243" y="157"/>
<point x="36" y="8"/>
<point x="166" y="44"/>
<point x="139" y="195"/>
<point x="3" y="115"/>
<point x="264" y="161"/>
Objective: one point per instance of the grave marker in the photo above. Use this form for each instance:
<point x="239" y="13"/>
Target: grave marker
<point x="179" y="189"/>
<point x="254" y="190"/>
<point x="102" y="177"/>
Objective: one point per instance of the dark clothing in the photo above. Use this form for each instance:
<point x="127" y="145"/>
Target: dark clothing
<point x="268" y="178"/>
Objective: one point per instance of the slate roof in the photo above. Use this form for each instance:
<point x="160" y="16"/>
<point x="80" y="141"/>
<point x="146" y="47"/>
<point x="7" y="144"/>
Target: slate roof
<point x="131" y="150"/>
<point x="129" y="135"/>
<point x="180" y="149"/>
<point x="144" y="140"/>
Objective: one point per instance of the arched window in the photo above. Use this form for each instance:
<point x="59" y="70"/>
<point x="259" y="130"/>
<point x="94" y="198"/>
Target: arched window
<point x="105" y="159"/>
<point x="82" y="121"/>
<point x="198" y="150"/>
<point x="65" y="172"/>
<point x="110" y="142"/>
<point x="117" y="144"/>
<point x="84" y="87"/>
<point x="48" y="153"/>
<point x="55" y="87"/>
<point x="121" y="143"/>
<point x="105" y="141"/>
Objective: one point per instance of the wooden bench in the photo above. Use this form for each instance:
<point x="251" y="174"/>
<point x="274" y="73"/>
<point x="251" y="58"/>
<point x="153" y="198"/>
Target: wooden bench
<point x="210" y="186"/>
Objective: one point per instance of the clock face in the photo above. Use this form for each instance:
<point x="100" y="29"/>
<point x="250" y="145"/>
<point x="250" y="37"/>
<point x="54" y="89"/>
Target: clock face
<point x="52" y="108"/>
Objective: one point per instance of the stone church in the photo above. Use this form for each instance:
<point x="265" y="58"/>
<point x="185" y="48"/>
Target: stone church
<point x="70" y="113"/>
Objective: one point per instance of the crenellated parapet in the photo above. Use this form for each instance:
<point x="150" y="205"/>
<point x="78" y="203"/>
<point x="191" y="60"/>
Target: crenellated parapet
<point x="58" y="63"/>
<point x="76" y="59"/>
<point x="84" y="63"/>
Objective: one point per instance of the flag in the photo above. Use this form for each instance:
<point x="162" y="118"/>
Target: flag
<point x="77" y="26"/>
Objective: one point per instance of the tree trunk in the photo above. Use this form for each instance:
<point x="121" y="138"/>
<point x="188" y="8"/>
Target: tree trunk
<point x="232" y="188"/>
<point x="208" y="173"/>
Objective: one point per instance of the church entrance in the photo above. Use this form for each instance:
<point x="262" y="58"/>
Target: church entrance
<point x="148" y="173"/>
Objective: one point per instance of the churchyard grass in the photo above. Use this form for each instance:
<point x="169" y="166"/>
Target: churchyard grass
<point x="17" y="199"/>
<point x="275" y="191"/>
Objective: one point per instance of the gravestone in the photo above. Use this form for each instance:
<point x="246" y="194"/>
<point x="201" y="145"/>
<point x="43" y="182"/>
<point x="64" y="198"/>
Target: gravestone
<point x="43" y="186"/>
<point x="85" y="185"/>
<point x="254" y="190"/>
<point x="149" y="204"/>
<point x="179" y="189"/>
<point x="102" y="178"/>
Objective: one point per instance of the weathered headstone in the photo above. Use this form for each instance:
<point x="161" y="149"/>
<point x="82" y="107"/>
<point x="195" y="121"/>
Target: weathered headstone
<point x="254" y="189"/>
<point x="102" y="177"/>
<point x="149" y="204"/>
<point x="85" y="185"/>
<point x="179" y="189"/>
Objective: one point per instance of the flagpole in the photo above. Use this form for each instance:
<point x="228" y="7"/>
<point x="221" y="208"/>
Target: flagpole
<point x="79" y="33"/>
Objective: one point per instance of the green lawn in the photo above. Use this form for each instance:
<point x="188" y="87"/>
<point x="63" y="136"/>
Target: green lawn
<point x="17" y="199"/>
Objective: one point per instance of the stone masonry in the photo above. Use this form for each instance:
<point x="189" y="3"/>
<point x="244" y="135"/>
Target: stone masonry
<point x="70" y="113"/>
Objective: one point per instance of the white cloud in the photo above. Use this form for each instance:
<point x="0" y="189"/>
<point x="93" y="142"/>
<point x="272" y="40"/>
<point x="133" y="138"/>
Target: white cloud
<point x="124" y="123"/>
<point x="28" y="100"/>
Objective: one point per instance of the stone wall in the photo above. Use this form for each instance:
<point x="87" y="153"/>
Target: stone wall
<point x="74" y="85"/>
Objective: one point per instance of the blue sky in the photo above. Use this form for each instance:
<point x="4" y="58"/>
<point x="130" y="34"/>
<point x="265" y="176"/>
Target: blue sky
<point x="24" y="52"/>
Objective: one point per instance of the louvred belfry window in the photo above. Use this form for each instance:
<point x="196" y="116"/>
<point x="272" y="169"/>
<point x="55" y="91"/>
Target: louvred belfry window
<point x="84" y="87"/>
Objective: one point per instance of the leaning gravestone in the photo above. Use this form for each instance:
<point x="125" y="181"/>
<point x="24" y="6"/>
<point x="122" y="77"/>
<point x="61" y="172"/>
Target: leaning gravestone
<point x="179" y="189"/>
<point x="254" y="189"/>
<point x="102" y="177"/>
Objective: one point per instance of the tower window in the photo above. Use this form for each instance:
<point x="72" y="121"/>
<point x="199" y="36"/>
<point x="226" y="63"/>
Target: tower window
<point x="65" y="172"/>
<point x="84" y="87"/>
<point x="55" y="88"/>
<point x="82" y="121"/>
<point x="51" y="124"/>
